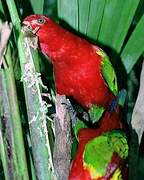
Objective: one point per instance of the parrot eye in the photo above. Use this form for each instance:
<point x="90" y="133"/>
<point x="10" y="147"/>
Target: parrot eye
<point x="41" y="21"/>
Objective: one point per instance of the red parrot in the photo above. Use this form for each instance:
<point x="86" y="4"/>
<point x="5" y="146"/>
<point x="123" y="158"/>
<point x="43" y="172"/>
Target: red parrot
<point x="82" y="70"/>
<point x="104" y="159"/>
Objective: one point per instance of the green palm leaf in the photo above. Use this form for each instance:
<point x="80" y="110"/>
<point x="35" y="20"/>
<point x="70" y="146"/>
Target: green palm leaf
<point x="134" y="47"/>
<point x="37" y="6"/>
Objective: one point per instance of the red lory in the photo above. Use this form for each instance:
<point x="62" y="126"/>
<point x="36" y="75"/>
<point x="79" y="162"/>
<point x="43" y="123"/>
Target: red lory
<point x="82" y="70"/>
<point x="101" y="153"/>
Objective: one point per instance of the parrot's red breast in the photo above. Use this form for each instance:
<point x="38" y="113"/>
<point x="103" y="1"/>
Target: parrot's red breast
<point x="77" y="66"/>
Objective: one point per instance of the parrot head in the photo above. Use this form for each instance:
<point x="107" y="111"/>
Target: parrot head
<point x="45" y="29"/>
<point x="35" y="22"/>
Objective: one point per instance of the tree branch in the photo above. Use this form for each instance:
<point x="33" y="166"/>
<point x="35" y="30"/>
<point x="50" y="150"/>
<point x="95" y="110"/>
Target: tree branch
<point x="62" y="148"/>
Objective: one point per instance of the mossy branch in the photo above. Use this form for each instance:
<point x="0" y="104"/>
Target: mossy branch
<point x="36" y="110"/>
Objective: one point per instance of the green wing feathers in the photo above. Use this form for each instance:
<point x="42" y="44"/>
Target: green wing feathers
<point x="118" y="141"/>
<point x="98" y="152"/>
<point x="108" y="72"/>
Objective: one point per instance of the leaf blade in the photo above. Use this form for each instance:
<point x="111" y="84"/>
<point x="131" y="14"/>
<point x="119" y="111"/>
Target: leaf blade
<point x="83" y="7"/>
<point x="116" y="21"/>
<point x="96" y="12"/>
<point x="37" y="6"/>
<point x="134" y="47"/>
<point x="68" y="13"/>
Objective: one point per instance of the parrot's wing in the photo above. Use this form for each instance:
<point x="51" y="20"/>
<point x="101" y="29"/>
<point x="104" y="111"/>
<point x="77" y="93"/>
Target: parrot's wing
<point x="108" y="72"/>
<point x="99" y="151"/>
<point x="118" y="141"/>
<point x="97" y="155"/>
<point x="109" y="75"/>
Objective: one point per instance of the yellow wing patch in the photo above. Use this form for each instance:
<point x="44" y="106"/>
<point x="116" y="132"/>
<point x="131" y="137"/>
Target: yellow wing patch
<point x="117" y="175"/>
<point x="101" y="53"/>
<point x="93" y="173"/>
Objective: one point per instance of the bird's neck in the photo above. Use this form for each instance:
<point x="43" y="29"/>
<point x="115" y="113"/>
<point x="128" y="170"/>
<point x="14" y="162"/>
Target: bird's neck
<point x="50" y="39"/>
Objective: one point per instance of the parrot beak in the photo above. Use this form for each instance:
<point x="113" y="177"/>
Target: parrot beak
<point x="28" y="28"/>
<point x="27" y="25"/>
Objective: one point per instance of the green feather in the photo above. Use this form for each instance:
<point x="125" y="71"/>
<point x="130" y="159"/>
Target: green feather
<point x="95" y="113"/>
<point x="98" y="152"/>
<point x="117" y="140"/>
<point x="77" y="126"/>
<point x="108" y="73"/>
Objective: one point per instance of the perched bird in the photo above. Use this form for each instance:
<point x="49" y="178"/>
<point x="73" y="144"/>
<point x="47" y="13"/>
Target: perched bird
<point x="82" y="70"/>
<point x="101" y="153"/>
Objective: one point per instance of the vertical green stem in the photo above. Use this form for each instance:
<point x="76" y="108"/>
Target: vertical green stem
<point x="14" y="17"/>
<point x="16" y="129"/>
<point x="36" y="109"/>
<point x="3" y="155"/>
<point x="2" y="146"/>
